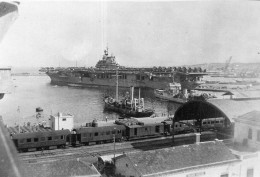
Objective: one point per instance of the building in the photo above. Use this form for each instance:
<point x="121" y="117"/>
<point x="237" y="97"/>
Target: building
<point x="247" y="143"/>
<point x="62" y="121"/>
<point x="247" y="129"/>
<point x="65" y="168"/>
<point x="207" y="159"/>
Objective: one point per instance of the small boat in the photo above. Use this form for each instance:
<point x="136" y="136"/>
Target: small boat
<point x="175" y="94"/>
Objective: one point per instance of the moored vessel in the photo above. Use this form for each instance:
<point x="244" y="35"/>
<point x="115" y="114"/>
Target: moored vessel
<point x="128" y="107"/>
<point x="102" y="75"/>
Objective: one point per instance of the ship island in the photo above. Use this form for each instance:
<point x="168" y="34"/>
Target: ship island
<point x="103" y="74"/>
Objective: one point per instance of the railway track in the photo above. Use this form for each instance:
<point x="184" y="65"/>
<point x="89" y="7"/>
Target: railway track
<point x="93" y="151"/>
<point x="97" y="150"/>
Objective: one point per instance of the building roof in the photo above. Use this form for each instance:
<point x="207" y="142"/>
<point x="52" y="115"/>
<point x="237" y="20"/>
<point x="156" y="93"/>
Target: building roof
<point x="252" y="117"/>
<point x="216" y="108"/>
<point x="232" y="109"/>
<point x="62" y="168"/>
<point x="181" y="158"/>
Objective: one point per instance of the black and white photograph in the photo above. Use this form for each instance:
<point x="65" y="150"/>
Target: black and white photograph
<point x="129" y="88"/>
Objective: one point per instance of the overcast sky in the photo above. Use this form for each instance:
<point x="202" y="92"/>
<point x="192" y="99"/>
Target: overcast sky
<point x="137" y="33"/>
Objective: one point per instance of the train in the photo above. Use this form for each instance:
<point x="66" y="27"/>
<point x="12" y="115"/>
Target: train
<point x="121" y="130"/>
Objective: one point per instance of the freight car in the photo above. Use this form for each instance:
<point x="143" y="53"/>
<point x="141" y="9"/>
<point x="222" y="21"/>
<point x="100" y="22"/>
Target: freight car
<point x="41" y="140"/>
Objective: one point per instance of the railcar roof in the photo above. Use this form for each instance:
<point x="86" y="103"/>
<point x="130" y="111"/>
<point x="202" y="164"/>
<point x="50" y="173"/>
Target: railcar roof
<point x="41" y="134"/>
<point x="97" y="129"/>
<point x="152" y="120"/>
<point x="27" y="129"/>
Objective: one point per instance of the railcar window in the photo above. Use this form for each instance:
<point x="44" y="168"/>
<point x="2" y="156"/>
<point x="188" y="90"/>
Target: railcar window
<point x="56" y="137"/>
<point x="146" y="129"/>
<point x="42" y="138"/>
<point x="113" y="132"/>
<point x="29" y="140"/>
<point x="204" y="122"/>
<point x="157" y="129"/>
<point x="96" y="134"/>
<point x="108" y="133"/>
<point x="36" y="139"/>
<point x="119" y="131"/>
<point x="64" y="119"/>
<point x="176" y="125"/>
<point x="21" y="141"/>
<point x="62" y="137"/>
<point x="90" y="135"/>
<point x="217" y="121"/>
<point x="49" y="138"/>
<point x="221" y="121"/>
<point x="212" y="122"/>
<point x="135" y="131"/>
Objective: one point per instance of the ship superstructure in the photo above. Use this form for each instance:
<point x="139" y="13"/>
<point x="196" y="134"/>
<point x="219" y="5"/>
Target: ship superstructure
<point x="106" y="68"/>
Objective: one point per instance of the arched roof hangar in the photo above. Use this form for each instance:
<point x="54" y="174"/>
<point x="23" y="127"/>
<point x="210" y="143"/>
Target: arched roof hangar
<point x="229" y="109"/>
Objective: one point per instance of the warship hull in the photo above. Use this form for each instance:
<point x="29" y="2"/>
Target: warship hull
<point x="106" y="69"/>
<point x="57" y="79"/>
<point x="129" y="81"/>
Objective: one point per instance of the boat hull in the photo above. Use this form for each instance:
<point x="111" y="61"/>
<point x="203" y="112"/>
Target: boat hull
<point x="127" y="112"/>
<point x="172" y="99"/>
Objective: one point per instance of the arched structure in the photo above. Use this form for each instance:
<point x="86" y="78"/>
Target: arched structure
<point x="228" y="109"/>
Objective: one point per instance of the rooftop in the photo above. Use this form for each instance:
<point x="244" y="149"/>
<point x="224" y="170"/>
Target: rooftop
<point x="230" y="109"/>
<point x="62" y="168"/>
<point x="181" y="157"/>
<point x="252" y="117"/>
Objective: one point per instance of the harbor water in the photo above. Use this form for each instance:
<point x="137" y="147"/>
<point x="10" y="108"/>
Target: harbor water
<point x="86" y="104"/>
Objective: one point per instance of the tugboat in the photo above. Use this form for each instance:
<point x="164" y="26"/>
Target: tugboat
<point x="127" y="107"/>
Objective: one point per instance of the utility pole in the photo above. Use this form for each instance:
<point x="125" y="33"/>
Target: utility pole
<point x="114" y="137"/>
<point x="117" y="84"/>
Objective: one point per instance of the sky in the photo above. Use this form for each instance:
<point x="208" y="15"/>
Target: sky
<point x="155" y="33"/>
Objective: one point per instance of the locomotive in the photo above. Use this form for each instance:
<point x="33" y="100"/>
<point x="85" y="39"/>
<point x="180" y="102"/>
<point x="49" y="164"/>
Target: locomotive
<point x="125" y="129"/>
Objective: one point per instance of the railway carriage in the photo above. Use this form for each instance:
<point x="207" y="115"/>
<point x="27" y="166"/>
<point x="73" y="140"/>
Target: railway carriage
<point x="88" y="135"/>
<point x="41" y="140"/>
<point x="124" y="129"/>
<point x="213" y="123"/>
<point x="144" y="131"/>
